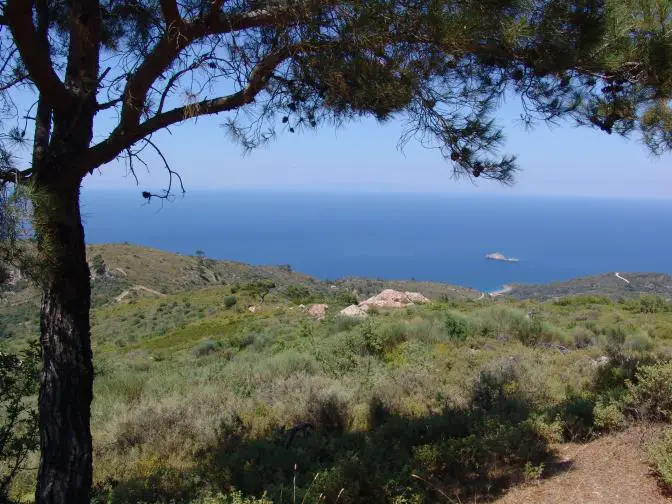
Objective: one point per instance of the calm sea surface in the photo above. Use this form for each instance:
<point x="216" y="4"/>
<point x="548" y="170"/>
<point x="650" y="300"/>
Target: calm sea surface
<point x="392" y="235"/>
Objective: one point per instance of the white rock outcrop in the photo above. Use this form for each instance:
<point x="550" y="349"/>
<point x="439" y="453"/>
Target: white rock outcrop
<point x="416" y="297"/>
<point x="390" y="298"/>
<point x="354" y="311"/>
<point x="317" y="311"/>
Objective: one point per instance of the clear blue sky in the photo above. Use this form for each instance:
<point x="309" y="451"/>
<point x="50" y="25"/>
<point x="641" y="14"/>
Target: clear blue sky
<point x="562" y="160"/>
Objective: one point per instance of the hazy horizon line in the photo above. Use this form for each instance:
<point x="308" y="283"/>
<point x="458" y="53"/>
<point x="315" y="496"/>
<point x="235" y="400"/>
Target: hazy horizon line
<point x="301" y="189"/>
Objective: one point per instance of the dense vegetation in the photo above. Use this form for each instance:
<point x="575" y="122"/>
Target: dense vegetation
<point x="197" y="397"/>
<point x="444" y="66"/>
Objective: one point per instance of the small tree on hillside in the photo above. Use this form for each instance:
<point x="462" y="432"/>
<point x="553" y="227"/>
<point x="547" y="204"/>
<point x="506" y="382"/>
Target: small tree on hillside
<point x="282" y="65"/>
<point x="260" y="288"/>
<point x="98" y="265"/>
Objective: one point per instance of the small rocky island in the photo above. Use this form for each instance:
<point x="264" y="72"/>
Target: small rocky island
<point x="498" y="256"/>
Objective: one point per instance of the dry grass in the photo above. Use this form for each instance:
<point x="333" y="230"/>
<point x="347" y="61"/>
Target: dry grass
<point x="610" y="470"/>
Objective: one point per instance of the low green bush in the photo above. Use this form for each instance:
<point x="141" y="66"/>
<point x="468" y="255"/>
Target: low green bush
<point x="19" y="433"/>
<point x="577" y="414"/>
<point x="639" y="342"/>
<point x="609" y="417"/>
<point x="649" y="396"/>
<point x="583" y="337"/>
<point x="298" y="294"/>
<point x="230" y="301"/>
<point x="660" y="457"/>
<point x="456" y="327"/>
<point x="648" y="304"/>
<point x="206" y="347"/>
<point x="586" y="300"/>
<point x="231" y="498"/>
<point x="345" y="297"/>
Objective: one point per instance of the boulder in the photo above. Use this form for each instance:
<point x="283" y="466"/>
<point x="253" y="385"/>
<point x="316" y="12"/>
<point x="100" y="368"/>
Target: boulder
<point x="600" y="361"/>
<point x="416" y="297"/>
<point x="317" y="311"/>
<point x="390" y="298"/>
<point x="354" y="311"/>
<point x="252" y="309"/>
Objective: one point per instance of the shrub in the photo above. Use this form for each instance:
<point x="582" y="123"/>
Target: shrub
<point x="329" y="413"/>
<point x="609" y="417"/>
<point x="550" y="333"/>
<point x="346" y="297"/>
<point x="648" y="304"/>
<point x="639" y="342"/>
<point x="582" y="337"/>
<point x="288" y="363"/>
<point x="206" y="347"/>
<point x="342" y="323"/>
<point x="380" y="338"/>
<point x="650" y="395"/>
<point x="230" y="301"/>
<point x="507" y="321"/>
<point x="18" y="420"/>
<point x="497" y="389"/>
<point x="662" y="331"/>
<point x="660" y="456"/>
<point x="392" y="334"/>
<point x="298" y="294"/>
<point x="532" y="472"/>
<point x="583" y="300"/>
<point x="98" y="264"/>
<point x="339" y="353"/>
<point x="529" y="332"/>
<point x="370" y="336"/>
<point x="577" y="414"/>
<point x="378" y="413"/>
<point x="616" y="335"/>
<point x="232" y="498"/>
<point x="456" y="327"/>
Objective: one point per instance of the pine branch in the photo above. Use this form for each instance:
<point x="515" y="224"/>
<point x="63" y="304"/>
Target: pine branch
<point x="122" y="139"/>
<point x="13" y="176"/>
<point x="109" y="104"/>
<point x="35" y="55"/>
<point x="175" y="40"/>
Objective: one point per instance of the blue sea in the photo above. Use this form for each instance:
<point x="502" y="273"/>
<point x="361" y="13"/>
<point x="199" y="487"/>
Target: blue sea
<point x="438" y="237"/>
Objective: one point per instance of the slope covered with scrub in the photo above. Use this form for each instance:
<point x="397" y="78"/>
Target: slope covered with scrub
<point x="198" y="397"/>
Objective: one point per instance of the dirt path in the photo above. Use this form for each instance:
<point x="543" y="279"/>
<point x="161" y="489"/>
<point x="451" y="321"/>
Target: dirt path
<point x="121" y="296"/>
<point x="504" y="290"/>
<point x="609" y="470"/>
<point x="618" y="275"/>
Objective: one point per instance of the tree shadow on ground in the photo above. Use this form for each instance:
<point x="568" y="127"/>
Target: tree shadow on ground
<point x="458" y="455"/>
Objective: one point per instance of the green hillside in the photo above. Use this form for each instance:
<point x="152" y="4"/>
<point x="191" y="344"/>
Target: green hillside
<point x="629" y="285"/>
<point x="203" y="390"/>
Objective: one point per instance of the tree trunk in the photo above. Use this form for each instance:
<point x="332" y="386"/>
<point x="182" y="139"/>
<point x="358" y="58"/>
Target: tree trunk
<point x="66" y="388"/>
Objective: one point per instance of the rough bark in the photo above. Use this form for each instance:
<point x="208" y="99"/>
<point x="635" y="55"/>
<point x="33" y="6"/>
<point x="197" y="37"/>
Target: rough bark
<point x="66" y="390"/>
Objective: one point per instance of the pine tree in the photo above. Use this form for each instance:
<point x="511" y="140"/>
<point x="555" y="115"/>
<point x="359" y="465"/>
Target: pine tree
<point x="283" y="66"/>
